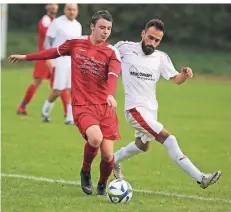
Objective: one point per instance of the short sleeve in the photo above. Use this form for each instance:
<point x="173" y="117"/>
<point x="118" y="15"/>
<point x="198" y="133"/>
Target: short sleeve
<point x="65" y="48"/>
<point x="46" y="21"/>
<point x="115" y="62"/>
<point x="120" y="46"/>
<point x="167" y="68"/>
<point x="52" y="29"/>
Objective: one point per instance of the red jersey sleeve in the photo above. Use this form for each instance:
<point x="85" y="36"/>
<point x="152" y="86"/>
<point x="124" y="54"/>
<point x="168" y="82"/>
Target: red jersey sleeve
<point x="114" y="70"/>
<point x="43" y="55"/>
<point x="114" y="66"/>
<point x="65" y="48"/>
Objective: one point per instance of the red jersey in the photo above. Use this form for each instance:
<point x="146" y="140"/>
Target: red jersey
<point x="43" y="25"/>
<point x="91" y="67"/>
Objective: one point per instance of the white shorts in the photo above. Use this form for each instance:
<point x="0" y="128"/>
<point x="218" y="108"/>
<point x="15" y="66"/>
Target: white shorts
<point x="145" y="123"/>
<point x="62" y="74"/>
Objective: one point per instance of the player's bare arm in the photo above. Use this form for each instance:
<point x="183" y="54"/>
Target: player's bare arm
<point x="185" y="73"/>
<point x="112" y="85"/>
<point x="114" y="72"/>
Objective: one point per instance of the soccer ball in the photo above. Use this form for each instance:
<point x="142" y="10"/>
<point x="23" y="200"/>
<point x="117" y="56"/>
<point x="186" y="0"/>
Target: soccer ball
<point x="119" y="191"/>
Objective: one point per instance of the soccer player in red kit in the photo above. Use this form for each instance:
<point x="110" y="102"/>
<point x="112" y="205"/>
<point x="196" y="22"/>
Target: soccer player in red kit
<point x="42" y="69"/>
<point x="95" y="69"/>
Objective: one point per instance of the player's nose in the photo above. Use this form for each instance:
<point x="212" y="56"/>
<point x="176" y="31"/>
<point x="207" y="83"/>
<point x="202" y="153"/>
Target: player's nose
<point x="153" y="43"/>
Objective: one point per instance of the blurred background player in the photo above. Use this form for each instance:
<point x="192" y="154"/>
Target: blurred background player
<point x="61" y="29"/>
<point x="95" y="70"/>
<point x="42" y="69"/>
<point x="142" y="67"/>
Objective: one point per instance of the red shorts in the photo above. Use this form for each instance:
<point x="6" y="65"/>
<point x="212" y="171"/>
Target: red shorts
<point x="41" y="70"/>
<point x="102" y="115"/>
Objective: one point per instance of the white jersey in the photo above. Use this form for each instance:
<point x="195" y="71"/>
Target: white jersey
<point x="140" y="74"/>
<point x="62" y="29"/>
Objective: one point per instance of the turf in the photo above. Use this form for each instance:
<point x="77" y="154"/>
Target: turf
<point x="197" y="113"/>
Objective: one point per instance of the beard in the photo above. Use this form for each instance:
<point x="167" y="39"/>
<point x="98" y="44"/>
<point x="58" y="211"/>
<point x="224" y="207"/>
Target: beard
<point x="147" y="49"/>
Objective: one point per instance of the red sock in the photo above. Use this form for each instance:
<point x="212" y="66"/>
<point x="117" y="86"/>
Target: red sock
<point x="105" y="170"/>
<point x="90" y="153"/>
<point x="64" y="97"/>
<point x="29" y="94"/>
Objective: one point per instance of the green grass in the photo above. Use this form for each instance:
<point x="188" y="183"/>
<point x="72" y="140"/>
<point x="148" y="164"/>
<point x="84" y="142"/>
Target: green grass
<point x="198" y="113"/>
<point x="206" y="61"/>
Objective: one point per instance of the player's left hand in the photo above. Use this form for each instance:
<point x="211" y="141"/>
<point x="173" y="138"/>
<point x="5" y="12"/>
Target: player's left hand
<point x="187" y="72"/>
<point x="15" y="58"/>
<point x="111" y="101"/>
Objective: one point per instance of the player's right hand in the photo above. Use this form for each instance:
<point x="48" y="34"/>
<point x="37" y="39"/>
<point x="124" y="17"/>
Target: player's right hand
<point x="111" y="101"/>
<point x="15" y="58"/>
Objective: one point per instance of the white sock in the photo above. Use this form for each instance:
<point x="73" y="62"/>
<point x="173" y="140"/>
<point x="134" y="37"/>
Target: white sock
<point x="126" y="152"/>
<point x="47" y="107"/>
<point x="175" y="153"/>
<point x="69" y="113"/>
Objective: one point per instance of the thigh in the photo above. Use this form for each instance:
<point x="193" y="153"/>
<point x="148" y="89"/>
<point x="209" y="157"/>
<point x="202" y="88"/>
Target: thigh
<point x="59" y="78"/>
<point x="52" y="78"/>
<point x="41" y="71"/>
<point x="109" y="123"/>
<point x="94" y="135"/>
<point x="144" y="122"/>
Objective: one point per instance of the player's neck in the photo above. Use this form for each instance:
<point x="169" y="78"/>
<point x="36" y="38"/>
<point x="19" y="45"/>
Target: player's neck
<point x="51" y="15"/>
<point x="95" y="42"/>
<point x="69" y="19"/>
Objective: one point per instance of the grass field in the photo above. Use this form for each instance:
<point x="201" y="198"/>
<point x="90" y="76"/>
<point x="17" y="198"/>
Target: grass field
<point x="198" y="113"/>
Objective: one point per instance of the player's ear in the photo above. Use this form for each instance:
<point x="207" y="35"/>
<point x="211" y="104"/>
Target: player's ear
<point x="92" y="26"/>
<point x="142" y="33"/>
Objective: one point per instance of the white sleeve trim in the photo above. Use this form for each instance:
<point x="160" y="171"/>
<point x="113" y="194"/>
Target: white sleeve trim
<point x="113" y="74"/>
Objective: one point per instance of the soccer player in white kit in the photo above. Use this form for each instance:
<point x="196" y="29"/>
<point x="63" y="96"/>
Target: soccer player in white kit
<point x="61" y="29"/>
<point x="142" y="67"/>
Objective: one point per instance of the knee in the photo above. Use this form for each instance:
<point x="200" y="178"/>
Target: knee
<point x="107" y="157"/>
<point x="95" y="140"/>
<point x="163" y="136"/>
<point x="142" y="146"/>
<point x="37" y="82"/>
<point x="57" y="92"/>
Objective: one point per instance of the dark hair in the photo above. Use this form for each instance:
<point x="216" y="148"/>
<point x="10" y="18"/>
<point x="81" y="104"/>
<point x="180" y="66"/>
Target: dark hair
<point x="104" y="14"/>
<point x="158" y="24"/>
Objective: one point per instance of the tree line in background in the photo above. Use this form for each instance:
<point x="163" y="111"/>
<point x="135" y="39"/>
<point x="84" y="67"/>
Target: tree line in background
<point x="204" y="25"/>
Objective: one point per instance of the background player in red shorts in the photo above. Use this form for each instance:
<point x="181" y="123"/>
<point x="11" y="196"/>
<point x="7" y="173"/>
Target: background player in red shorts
<point x="95" y="69"/>
<point x="42" y="69"/>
